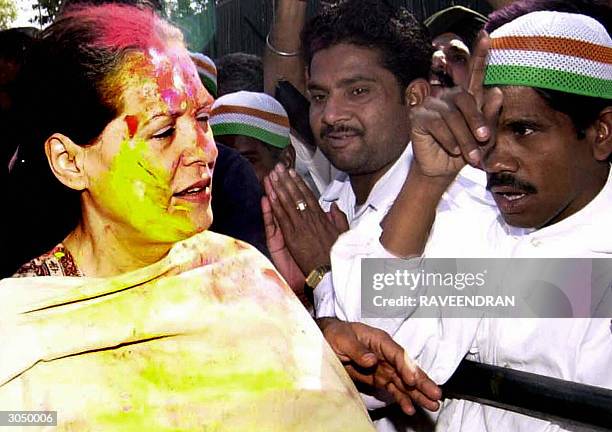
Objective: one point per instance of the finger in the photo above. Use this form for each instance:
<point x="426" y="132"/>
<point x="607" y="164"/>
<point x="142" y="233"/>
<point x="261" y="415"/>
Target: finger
<point x="403" y="400"/>
<point x="433" y="125"/>
<point x="338" y="218"/>
<point x="358" y="375"/>
<point x="478" y="66"/>
<point x="494" y="99"/>
<point x="268" y="217"/>
<point x="288" y="193"/>
<point x="281" y="219"/>
<point x="473" y="116"/>
<point x="422" y="400"/>
<point x="306" y="193"/>
<point x="458" y="126"/>
<point x="284" y="201"/>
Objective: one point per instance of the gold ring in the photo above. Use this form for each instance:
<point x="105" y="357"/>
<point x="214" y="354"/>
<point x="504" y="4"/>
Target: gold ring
<point x="301" y="205"/>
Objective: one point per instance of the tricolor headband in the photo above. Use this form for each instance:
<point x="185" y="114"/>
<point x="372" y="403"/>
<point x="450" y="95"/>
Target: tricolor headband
<point x="257" y="115"/>
<point x="561" y="51"/>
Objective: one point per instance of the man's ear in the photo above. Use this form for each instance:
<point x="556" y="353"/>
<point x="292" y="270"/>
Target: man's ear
<point x="602" y="146"/>
<point x="287" y="156"/>
<point x="416" y="92"/>
<point x="66" y="161"/>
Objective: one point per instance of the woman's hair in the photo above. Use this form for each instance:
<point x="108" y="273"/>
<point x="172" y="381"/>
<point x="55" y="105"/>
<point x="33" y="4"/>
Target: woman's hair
<point x="68" y="87"/>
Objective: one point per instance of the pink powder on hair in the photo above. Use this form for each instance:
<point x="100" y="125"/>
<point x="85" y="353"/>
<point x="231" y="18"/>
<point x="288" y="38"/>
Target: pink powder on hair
<point x="122" y="26"/>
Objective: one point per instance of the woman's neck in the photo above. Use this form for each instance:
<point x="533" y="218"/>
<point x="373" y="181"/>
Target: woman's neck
<point x="101" y="249"/>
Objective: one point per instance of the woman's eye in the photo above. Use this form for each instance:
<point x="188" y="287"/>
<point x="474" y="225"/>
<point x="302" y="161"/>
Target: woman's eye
<point x="166" y="132"/>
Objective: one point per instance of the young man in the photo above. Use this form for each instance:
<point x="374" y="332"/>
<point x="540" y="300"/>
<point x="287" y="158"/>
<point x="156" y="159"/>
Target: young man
<point x="368" y="66"/>
<point x="544" y="138"/>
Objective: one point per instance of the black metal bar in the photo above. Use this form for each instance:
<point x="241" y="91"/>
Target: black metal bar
<point x="561" y="402"/>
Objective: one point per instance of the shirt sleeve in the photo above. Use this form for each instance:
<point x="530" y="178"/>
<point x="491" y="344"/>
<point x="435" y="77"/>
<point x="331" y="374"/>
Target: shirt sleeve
<point x="324" y="297"/>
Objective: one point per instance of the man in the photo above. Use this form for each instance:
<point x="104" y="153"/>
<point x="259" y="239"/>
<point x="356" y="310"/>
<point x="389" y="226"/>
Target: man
<point x="544" y="139"/>
<point x="453" y="31"/>
<point x="257" y="127"/>
<point x="367" y="70"/>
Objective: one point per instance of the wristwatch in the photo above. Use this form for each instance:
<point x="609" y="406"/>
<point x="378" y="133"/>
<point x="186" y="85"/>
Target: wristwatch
<point x="315" y="276"/>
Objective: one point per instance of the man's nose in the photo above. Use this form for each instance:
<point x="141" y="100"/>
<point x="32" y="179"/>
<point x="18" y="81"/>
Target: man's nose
<point x="335" y="110"/>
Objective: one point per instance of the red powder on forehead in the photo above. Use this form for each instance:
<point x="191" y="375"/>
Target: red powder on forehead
<point x="121" y="26"/>
<point x="132" y="124"/>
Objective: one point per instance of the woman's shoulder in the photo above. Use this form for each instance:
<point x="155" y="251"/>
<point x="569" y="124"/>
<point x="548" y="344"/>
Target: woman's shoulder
<point x="57" y="262"/>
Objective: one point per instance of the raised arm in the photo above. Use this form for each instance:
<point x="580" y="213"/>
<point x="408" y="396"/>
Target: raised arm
<point x="446" y="133"/>
<point x="282" y="58"/>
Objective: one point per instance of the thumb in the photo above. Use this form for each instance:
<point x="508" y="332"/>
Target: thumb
<point x="339" y="219"/>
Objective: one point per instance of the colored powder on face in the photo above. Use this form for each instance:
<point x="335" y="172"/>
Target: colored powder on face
<point x="137" y="190"/>
<point x="132" y="124"/>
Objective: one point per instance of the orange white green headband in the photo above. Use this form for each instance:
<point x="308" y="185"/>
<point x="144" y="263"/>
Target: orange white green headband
<point x="568" y="52"/>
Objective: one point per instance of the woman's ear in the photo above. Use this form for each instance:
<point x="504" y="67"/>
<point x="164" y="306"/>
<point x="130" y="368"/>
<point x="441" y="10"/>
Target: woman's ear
<point x="602" y="145"/>
<point x="66" y="161"/>
<point x="416" y="92"/>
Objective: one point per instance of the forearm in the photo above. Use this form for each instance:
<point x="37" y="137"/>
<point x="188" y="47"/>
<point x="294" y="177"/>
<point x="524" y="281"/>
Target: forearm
<point x="406" y="227"/>
<point x="290" y="16"/>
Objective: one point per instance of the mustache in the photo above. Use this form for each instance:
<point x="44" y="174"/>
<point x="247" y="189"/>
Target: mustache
<point x="445" y="79"/>
<point x="506" y="179"/>
<point x="329" y="129"/>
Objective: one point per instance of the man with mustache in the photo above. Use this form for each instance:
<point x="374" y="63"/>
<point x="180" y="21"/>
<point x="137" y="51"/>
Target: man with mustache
<point x="453" y="31"/>
<point x="367" y="69"/>
<point x="542" y="130"/>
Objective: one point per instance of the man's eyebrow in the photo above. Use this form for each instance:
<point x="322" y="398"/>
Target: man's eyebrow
<point x="344" y="82"/>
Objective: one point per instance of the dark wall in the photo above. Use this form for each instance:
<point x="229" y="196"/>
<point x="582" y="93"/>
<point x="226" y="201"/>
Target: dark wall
<point x="241" y="25"/>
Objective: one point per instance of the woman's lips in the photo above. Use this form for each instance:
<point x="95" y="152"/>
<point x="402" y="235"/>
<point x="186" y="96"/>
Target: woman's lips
<point x="198" y="192"/>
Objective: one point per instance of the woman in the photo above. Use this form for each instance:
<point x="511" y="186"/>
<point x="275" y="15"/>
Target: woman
<point x="165" y="326"/>
<point x="130" y="136"/>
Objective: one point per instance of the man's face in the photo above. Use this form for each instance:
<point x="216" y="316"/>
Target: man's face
<point x="357" y="111"/>
<point x="449" y="65"/>
<point x="253" y="150"/>
<point x="538" y="170"/>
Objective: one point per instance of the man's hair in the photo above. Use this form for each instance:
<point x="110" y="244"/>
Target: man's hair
<point x="239" y="71"/>
<point x="582" y="110"/>
<point x="404" y="45"/>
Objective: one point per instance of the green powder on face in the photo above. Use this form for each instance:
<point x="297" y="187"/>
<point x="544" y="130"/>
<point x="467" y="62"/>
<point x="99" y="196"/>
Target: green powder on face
<point x="137" y="189"/>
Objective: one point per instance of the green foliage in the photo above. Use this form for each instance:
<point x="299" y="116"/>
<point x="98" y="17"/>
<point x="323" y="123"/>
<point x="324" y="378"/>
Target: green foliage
<point x="46" y="11"/>
<point x="8" y="13"/>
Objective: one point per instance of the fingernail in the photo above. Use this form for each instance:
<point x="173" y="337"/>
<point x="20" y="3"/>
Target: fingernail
<point x="474" y="156"/>
<point x="272" y="195"/>
<point x="482" y="132"/>
<point x="292" y="173"/>
<point x="274" y="176"/>
<point x="280" y="167"/>
<point x="457" y="150"/>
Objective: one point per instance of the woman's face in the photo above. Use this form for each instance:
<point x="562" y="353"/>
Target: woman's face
<point x="150" y="172"/>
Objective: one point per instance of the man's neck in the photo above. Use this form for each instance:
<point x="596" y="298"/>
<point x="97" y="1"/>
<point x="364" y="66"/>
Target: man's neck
<point x="362" y="184"/>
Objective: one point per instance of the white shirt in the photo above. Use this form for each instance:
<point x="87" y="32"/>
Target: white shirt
<point x="571" y="349"/>
<point x="362" y="239"/>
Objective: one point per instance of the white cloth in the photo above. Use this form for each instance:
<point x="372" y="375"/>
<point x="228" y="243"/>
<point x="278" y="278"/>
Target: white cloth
<point x="572" y="349"/>
<point x="312" y="166"/>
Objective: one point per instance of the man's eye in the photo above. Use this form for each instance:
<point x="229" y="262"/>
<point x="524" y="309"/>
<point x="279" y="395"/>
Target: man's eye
<point x="317" y="98"/>
<point x="359" y="91"/>
<point x="522" y="129"/>
<point x="166" y="132"/>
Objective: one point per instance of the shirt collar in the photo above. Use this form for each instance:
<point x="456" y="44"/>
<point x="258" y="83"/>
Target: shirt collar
<point x="383" y="193"/>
